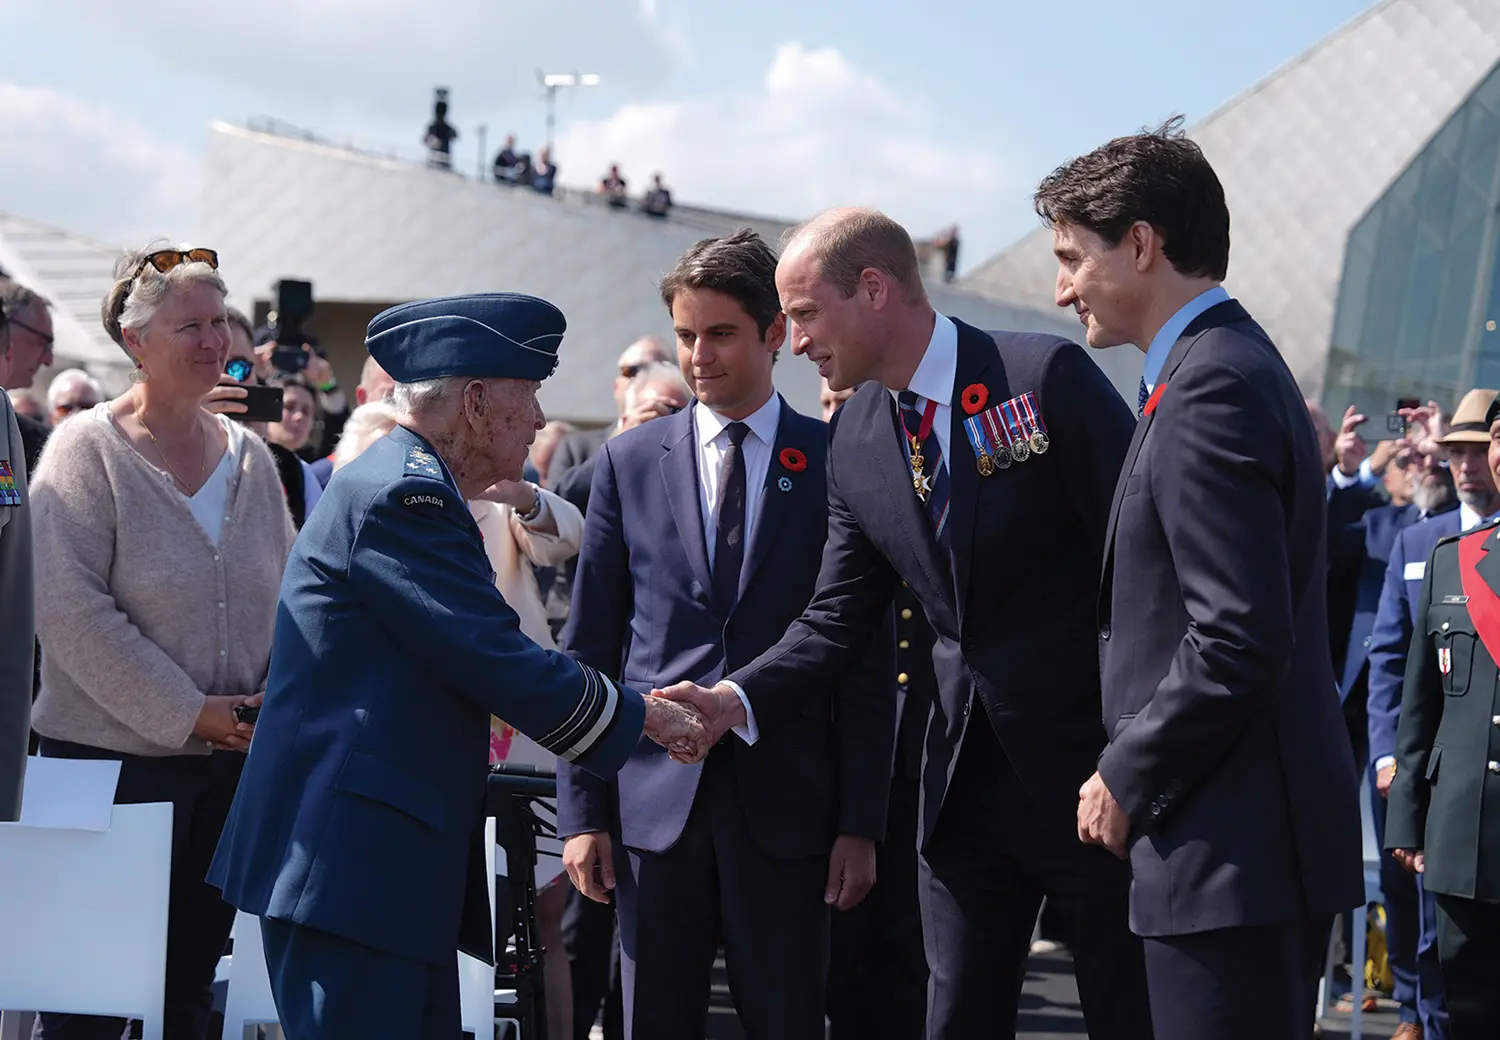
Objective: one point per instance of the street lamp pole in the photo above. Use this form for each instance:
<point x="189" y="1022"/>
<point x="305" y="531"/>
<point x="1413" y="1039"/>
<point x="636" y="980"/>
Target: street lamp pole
<point x="550" y="82"/>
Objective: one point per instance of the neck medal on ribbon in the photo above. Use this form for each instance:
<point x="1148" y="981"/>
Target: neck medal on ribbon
<point x="920" y="482"/>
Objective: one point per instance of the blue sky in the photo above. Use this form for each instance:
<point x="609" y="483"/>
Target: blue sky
<point x="938" y="112"/>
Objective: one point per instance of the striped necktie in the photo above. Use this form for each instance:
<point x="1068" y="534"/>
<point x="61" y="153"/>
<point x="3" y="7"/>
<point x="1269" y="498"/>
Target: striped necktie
<point x="917" y="414"/>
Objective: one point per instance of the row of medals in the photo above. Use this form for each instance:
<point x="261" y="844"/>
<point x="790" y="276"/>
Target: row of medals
<point x="1019" y="450"/>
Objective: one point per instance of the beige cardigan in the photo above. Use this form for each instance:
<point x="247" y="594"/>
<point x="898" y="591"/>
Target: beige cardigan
<point x="513" y="547"/>
<point x="139" y="614"/>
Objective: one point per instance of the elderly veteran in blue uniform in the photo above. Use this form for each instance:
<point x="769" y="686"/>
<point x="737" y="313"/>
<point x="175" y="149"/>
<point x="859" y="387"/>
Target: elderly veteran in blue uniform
<point x="356" y="833"/>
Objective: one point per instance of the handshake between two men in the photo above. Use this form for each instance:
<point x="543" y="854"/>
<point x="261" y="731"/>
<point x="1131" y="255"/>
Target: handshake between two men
<point x="688" y="719"/>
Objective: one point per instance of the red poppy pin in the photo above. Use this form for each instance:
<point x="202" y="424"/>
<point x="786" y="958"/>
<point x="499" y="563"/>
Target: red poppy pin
<point x="793" y="460"/>
<point x="974" y="398"/>
<point x="1151" y="401"/>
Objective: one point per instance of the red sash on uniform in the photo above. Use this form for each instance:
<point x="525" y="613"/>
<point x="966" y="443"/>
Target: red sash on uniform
<point x="1484" y="603"/>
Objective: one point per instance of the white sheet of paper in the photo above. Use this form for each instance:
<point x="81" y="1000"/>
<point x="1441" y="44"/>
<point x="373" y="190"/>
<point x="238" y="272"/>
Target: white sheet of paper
<point x="1415" y="571"/>
<point x="75" y="794"/>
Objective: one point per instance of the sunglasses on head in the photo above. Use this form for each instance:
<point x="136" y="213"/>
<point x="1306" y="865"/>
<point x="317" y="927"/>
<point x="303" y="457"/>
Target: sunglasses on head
<point x="238" y="369"/>
<point x="166" y="259"/>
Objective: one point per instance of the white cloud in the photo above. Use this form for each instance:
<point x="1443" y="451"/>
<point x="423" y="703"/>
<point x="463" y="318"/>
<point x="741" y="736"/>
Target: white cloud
<point x="88" y="168"/>
<point x="382" y="56"/>
<point x="817" y="132"/>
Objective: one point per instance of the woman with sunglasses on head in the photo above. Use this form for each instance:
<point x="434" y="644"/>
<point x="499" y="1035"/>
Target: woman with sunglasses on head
<point x="162" y="534"/>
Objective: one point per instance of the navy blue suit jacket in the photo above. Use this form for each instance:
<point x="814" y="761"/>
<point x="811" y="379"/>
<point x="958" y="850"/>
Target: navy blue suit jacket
<point x="1345" y="507"/>
<point x="1012" y="609"/>
<point x="642" y="610"/>
<point x="1357" y="555"/>
<point x="360" y="808"/>
<point x="1390" y="636"/>
<point x="1228" y="748"/>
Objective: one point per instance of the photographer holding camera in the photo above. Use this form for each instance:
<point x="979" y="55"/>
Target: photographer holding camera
<point x="249" y="392"/>
<point x="292" y="351"/>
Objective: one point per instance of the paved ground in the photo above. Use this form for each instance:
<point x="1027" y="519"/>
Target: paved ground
<point x="1049" y="1008"/>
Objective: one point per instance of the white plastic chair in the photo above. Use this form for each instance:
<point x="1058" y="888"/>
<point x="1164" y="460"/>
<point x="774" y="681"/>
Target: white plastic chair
<point x="89" y="911"/>
<point x="476" y="979"/>
<point x="248" y="1000"/>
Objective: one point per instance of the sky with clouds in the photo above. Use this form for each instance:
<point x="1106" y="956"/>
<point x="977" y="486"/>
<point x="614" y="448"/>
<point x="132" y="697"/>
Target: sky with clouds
<point x="938" y="112"/>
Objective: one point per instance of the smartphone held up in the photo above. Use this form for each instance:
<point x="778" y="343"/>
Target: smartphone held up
<point x="1396" y="422"/>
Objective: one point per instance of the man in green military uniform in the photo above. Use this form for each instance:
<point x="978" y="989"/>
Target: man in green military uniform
<point x="1443" y="819"/>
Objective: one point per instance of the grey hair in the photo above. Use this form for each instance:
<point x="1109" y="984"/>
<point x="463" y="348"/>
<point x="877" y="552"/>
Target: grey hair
<point x="133" y="299"/>
<point x="365" y="425"/>
<point x="67" y="379"/>
<point x="653" y="373"/>
<point x="15" y="298"/>
<point x="413" y="397"/>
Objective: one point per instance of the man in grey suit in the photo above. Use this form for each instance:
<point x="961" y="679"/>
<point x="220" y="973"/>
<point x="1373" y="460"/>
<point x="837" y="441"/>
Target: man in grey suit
<point x="18" y="634"/>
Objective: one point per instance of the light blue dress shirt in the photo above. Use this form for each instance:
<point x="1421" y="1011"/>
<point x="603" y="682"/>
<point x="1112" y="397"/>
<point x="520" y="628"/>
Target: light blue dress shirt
<point x="1162" y="342"/>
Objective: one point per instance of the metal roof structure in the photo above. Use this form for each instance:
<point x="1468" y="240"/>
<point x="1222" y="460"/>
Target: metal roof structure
<point x="372" y="229"/>
<point x="74" y="273"/>
<point x="1303" y="154"/>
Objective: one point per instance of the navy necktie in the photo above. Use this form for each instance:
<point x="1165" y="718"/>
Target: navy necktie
<point x="933" y="464"/>
<point x="729" y="542"/>
<point x="1141" y="399"/>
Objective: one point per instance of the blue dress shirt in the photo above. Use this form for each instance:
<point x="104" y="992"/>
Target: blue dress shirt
<point x="1162" y="342"/>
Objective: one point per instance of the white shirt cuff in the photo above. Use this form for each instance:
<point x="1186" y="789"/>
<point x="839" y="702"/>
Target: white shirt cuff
<point x="749" y="732"/>
<point x="1384" y="762"/>
<point x="1340" y="481"/>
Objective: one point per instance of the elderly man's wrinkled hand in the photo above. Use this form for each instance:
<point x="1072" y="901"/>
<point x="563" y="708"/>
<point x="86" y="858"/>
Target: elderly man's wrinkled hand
<point x="720" y="708"/>
<point x="677" y="727"/>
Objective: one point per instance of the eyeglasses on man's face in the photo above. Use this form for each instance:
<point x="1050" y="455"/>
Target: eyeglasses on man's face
<point x="1420" y="461"/>
<point x="46" y="338"/>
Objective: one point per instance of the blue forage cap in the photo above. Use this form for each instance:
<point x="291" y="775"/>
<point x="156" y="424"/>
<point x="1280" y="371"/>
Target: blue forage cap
<point x="483" y="336"/>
